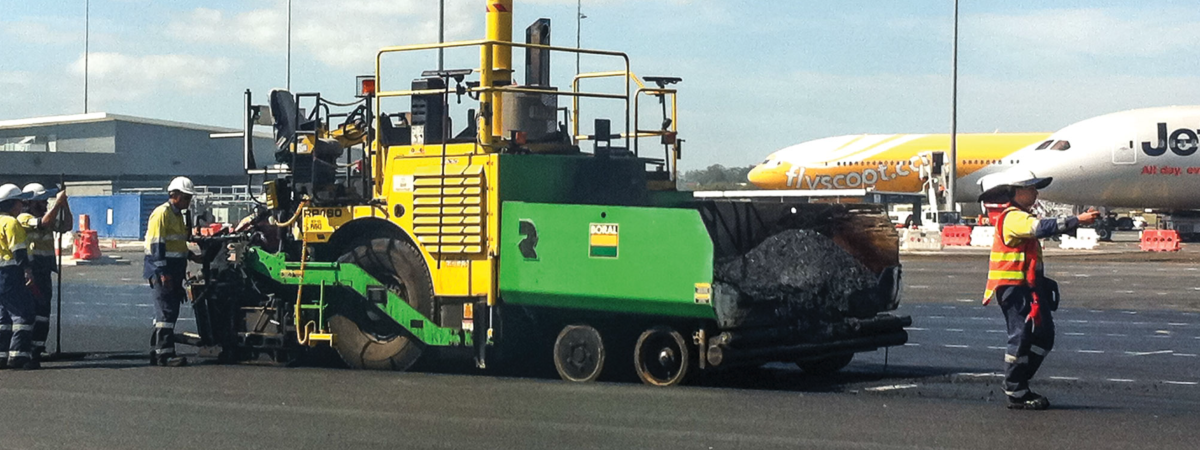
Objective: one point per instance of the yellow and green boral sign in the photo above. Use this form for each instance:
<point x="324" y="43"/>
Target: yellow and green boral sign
<point x="604" y="240"/>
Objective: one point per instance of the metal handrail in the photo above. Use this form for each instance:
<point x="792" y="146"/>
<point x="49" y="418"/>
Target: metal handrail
<point x="487" y="86"/>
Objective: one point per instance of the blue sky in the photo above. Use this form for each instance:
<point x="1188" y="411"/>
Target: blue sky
<point x="758" y="75"/>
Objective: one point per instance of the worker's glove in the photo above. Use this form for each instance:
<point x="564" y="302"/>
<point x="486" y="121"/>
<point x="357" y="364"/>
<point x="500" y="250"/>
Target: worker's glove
<point x="1035" y="313"/>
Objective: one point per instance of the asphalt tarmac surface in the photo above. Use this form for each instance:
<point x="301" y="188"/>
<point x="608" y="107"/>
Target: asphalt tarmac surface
<point x="1124" y="374"/>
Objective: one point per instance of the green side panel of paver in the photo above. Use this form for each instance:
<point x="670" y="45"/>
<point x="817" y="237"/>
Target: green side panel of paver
<point x="636" y="260"/>
<point x="316" y="276"/>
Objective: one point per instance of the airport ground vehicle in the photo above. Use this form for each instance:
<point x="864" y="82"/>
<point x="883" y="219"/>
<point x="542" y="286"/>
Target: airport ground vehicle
<point x="505" y="242"/>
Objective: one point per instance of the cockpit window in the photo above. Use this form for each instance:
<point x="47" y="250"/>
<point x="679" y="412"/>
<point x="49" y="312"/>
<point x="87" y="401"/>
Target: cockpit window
<point x="1044" y="145"/>
<point x="1061" y="145"/>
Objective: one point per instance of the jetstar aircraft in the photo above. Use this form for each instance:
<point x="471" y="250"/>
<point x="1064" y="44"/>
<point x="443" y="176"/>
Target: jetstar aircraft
<point x="889" y="162"/>
<point x="1143" y="158"/>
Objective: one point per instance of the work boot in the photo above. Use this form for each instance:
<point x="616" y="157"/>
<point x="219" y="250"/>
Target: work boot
<point x="22" y="364"/>
<point x="175" y="361"/>
<point x="1029" y="401"/>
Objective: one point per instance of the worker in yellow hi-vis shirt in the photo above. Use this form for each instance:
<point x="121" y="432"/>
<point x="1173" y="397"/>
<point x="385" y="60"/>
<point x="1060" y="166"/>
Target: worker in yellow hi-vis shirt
<point x="167" y="256"/>
<point x="16" y="303"/>
<point x="41" y="222"/>
<point x="1017" y="280"/>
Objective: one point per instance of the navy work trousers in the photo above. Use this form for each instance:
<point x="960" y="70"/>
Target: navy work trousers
<point x="167" y="299"/>
<point x="1028" y="345"/>
<point x="17" y="316"/>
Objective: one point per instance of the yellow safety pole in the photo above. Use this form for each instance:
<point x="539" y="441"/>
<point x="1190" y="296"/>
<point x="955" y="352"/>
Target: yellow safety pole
<point x="500" y="29"/>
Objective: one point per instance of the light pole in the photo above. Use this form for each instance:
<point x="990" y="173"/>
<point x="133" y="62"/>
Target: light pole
<point x="578" y="31"/>
<point x="87" y="11"/>
<point x="289" y="46"/>
<point x="441" y="34"/>
<point x="953" y="172"/>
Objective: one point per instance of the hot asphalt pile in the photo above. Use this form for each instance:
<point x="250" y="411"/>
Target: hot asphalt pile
<point x="794" y="275"/>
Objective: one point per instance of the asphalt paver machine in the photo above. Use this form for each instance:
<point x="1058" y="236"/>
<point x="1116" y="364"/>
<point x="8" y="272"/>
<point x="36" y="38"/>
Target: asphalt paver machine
<point x="518" y="240"/>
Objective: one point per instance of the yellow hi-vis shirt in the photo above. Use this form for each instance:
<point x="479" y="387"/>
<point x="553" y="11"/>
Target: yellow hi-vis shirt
<point x="1018" y="226"/>
<point x="166" y="242"/>
<point x="12" y="241"/>
<point x="41" y="240"/>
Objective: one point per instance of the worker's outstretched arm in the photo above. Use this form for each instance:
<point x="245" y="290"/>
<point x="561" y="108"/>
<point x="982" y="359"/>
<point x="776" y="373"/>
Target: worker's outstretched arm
<point x="1051" y="227"/>
<point x="1020" y="225"/>
<point x="50" y="220"/>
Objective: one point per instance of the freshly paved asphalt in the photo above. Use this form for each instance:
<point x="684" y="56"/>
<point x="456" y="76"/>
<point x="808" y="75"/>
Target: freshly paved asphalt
<point x="1123" y="374"/>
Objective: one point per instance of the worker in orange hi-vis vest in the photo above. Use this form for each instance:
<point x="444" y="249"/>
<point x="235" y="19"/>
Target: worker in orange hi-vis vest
<point x="1017" y="281"/>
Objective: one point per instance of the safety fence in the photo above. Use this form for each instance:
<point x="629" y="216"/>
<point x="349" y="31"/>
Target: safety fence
<point x="983" y="236"/>
<point x="1161" y="241"/>
<point x="956" y="235"/>
<point x="912" y="239"/>
<point x="1084" y="239"/>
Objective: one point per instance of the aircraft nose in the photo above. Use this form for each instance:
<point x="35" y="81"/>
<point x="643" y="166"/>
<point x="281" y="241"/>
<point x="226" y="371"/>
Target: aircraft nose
<point x="766" y="178"/>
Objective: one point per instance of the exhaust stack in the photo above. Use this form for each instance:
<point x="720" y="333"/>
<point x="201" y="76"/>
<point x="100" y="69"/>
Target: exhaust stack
<point x="499" y="28"/>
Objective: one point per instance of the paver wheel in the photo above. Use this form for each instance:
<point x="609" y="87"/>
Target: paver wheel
<point x="826" y="365"/>
<point x="579" y="353"/>
<point x="364" y="336"/>
<point x="662" y="357"/>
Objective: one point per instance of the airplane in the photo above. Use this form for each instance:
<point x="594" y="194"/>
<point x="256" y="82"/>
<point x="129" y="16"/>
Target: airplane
<point x="889" y="162"/>
<point x="1142" y="158"/>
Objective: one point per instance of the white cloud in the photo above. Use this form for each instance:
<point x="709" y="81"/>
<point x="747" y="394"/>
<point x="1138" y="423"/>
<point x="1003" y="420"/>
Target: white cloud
<point x="13" y="84"/>
<point x="345" y="36"/>
<point x="122" y="77"/>
<point x="263" y="28"/>
<point x="1099" y="32"/>
<point x="41" y="32"/>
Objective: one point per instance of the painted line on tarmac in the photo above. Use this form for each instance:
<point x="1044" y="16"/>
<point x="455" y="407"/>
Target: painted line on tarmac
<point x="1120" y="380"/>
<point x="1090" y="352"/>
<point x="894" y="387"/>
<point x="981" y="375"/>
<point x="1116" y="335"/>
<point x="956" y="346"/>
<point x="997" y="348"/>
<point x="955" y="330"/>
<point x="916" y="329"/>
<point x="911" y="344"/>
<point x="1065" y="378"/>
<point x="1074" y="334"/>
<point x="1181" y="383"/>
<point x="1185" y="355"/>
<point x="1160" y="352"/>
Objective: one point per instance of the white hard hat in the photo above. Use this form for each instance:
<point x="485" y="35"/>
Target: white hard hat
<point x="11" y="192"/>
<point x="182" y="184"/>
<point x="1013" y="178"/>
<point x="35" y="191"/>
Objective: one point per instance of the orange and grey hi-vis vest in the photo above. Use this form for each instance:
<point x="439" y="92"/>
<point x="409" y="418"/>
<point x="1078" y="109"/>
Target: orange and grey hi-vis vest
<point x="1011" y="266"/>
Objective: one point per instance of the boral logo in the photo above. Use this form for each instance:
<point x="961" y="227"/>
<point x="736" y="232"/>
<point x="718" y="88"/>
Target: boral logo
<point x="1182" y="142"/>
<point x="604" y="240"/>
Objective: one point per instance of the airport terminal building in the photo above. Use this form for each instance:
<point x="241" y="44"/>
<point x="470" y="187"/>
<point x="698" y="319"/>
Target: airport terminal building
<point x="101" y="153"/>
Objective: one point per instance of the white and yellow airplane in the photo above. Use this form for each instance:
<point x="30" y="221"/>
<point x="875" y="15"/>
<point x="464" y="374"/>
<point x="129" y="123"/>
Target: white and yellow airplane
<point x="889" y="162"/>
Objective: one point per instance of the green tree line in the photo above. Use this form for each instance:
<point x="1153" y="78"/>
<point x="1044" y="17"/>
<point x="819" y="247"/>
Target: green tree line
<point x="716" y="178"/>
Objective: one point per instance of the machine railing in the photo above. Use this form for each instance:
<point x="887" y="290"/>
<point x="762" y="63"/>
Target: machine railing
<point x="638" y="133"/>
<point x="488" y="93"/>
